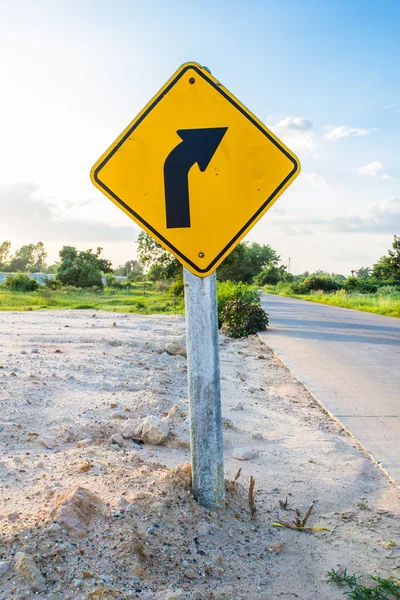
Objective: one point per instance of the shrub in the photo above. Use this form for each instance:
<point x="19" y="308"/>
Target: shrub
<point x="271" y="275"/>
<point x="227" y="291"/>
<point x="241" y="319"/>
<point x="321" y="283"/>
<point x="47" y="294"/>
<point x="389" y="290"/>
<point x="21" y="283"/>
<point x="162" y="285"/>
<point x="299" y="287"/>
<point x="177" y="289"/>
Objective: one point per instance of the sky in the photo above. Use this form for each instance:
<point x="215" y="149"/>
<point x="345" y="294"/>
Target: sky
<point x="322" y="74"/>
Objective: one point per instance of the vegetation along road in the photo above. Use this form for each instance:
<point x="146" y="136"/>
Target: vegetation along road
<point x="350" y="361"/>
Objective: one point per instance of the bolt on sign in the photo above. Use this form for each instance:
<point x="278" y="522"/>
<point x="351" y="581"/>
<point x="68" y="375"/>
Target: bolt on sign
<point x="195" y="169"/>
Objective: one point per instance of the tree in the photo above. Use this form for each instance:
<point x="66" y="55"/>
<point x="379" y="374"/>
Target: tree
<point x="39" y="257"/>
<point x="160" y="263"/>
<point x="388" y="267"/>
<point x="363" y="273"/>
<point x="395" y="258"/>
<point x="29" y="258"/>
<point x="246" y="261"/>
<point x="132" y="269"/>
<point x="271" y="275"/>
<point x="82" y="269"/>
<point x="4" y="252"/>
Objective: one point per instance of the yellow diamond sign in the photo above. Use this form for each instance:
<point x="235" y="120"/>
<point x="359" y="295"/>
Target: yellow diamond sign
<point x="195" y="169"/>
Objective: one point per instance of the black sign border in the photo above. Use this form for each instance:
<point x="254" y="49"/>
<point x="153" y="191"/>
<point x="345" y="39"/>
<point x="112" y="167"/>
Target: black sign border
<point x="137" y="123"/>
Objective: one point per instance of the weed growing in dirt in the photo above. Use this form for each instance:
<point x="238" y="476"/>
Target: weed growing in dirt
<point x="379" y="588"/>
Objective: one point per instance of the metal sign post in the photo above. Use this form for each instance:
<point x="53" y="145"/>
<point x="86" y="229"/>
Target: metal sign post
<point x="204" y="389"/>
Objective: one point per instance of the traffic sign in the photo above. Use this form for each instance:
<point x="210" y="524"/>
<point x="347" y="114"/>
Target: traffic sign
<point x="195" y="169"/>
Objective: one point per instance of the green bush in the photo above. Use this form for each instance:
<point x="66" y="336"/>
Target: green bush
<point x="177" y="289"/>
<point x="240" y="319"/>
<point x="21" y="283"/>
<point x="271" y="275"/>
<point x="227" y="291"/>
<point x="389" y="290"/>
<point x="299" y="287"/>
<point x="321" y="283"/>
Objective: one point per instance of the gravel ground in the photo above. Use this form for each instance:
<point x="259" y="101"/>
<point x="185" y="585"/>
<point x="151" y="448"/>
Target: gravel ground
<point x="86" y="513"/>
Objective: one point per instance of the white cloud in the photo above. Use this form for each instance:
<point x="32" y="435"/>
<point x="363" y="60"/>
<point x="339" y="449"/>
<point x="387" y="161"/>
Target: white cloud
<point x="371" y="169"/>
<point x="296" y="133"/>
<point x="343" y="131"/>
<point x="315" y="180"/>
<point x="388" y="106"/>
<point x="24" y="215"/>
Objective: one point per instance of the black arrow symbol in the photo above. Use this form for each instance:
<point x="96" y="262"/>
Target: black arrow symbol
<point x="198" y="146"/>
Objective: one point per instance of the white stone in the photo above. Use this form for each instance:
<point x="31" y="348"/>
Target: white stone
<point x="244" y="454"/>
<point x="129" y="428"/>
<point x="238" y="406"/>
<point x="84" y="443"/>
<point x="26" y="567"/>
<point x="177" y="347"/>
<point x="49" y="441"/>
<point x="4" y="567"/>
<point x="153" y="430"/>
<point x="117" y="439"/>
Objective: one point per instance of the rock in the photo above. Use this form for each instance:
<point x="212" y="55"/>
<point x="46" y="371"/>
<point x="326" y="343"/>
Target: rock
<point x="26" y="568"/>
<point x="130" y="508"/>
<point x="244" y="454"/>
<point x="184" y="474"/>
<point x="4" y="567"/>
<point x="190" y="574"/>
<point x="48" y="441"/>
<point x="175" y="595"/>
<point x="177" y="347"/>
<point x="203" y="530"/>
<point x="84" y="443"/>
<point x="139" y="571"/>
<point x="54" y="528"/>
<point x="183" y="441"/>
<point x="257" y="436"/>
<point x="153" y="430"/>
<point x="122" y="503"/>
<point x="35" y="351"/>
<point x="227" y="423"/>
<point x="238" y="406"/>
<point x="74" y="510"/>
<point x="178" y="410"/>
<point x="129" y="428"/>
<point x="117" y="439"/>
<point x="13" y="516"/>
<point x="277" y="547"/>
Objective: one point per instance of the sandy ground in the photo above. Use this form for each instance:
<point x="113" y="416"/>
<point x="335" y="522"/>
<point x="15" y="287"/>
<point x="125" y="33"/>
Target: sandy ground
<point x="72" y="375"/>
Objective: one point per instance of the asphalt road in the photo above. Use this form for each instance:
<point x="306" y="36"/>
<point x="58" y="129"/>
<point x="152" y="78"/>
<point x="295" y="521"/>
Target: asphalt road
<point x="350" y="360"/>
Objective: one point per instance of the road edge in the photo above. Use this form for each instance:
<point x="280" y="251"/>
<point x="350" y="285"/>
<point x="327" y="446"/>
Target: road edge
<point x="359" y="445"/>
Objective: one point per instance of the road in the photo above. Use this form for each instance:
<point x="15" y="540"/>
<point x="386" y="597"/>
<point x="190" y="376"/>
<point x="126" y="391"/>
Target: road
<point x="350" y="360"/>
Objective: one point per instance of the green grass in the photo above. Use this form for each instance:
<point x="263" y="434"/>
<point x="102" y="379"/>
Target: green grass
<point x="388" y="305"/>
<point x="377" y="588"/>
<point x="141" y="299"/>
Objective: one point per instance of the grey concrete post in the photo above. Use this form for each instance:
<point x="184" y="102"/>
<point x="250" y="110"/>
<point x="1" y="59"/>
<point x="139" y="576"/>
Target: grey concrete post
<point x="204" y="389"/>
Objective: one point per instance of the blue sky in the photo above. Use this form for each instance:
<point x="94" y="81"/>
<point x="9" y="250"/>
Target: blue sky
<point x="322" y="74"/>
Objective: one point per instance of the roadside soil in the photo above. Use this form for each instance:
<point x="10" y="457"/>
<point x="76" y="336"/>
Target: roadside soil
<point x="118" y="520"/>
